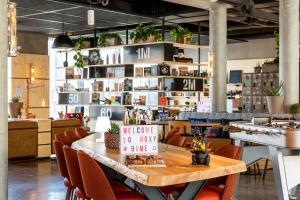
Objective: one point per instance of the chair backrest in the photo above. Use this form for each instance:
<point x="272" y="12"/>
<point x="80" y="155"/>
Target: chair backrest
<point x="94" y="180"/>
<point x="172" y="133"/>
<point x="58" y="147"/>
<point x="72" y="135"/>
<point x="81" y="132"/>
<point x="184" y="126"/>
<point x="63" y="138"/>
<point x="178" y="140"/>
<point x="73" y="168"/>
<point x="233" y="152"/>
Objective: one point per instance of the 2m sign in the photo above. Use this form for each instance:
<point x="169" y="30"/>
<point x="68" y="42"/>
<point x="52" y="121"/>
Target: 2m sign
<point x="143" y="53"/>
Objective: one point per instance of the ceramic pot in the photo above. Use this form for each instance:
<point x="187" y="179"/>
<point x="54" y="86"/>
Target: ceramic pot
<point x="275" y="104"/>
<point x="200" y="158"/>
<point x="15" y="109"/>
<point x="112" y="141"/>
<point x="113" y="42"/>
<point x="183" y="40"/>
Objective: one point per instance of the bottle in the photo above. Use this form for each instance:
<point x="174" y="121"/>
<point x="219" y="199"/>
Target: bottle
<point x="107" y="59"/>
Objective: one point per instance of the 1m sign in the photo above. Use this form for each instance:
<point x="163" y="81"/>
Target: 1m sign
<point x="139" y="140"/>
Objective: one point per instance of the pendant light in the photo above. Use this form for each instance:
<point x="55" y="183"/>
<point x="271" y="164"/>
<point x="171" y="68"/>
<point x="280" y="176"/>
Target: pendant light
<point x="62" y="41"/>
<point x="91" y="16"/>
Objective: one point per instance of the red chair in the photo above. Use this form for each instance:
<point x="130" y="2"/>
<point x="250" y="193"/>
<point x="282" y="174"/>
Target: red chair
<point x="63" y="138"/>
<point x="96" y="184"/>
<point x="221" y="188"/>
<point x="72" y="135"/>
<point x="58" y="147"/>
<point x="173" y="133"/>
<point x="81" y="132"/>
<point x="177" y="140"/>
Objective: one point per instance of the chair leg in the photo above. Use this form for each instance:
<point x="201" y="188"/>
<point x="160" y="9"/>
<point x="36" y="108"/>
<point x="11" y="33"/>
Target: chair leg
<point x="69" y="192"/>
<point x="258" y="168"/>
<point x="265" y="169"/>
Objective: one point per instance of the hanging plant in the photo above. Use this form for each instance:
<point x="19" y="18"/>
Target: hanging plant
<point x="181" y="35"/>
<point x="145" y="34"/>
<point x="104" y="37"/>
<point x="79" y="62"/>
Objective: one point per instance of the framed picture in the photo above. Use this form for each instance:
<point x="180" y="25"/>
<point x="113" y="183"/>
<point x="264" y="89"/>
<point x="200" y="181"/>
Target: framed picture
<point x="94" y="57"/>
<point x="139" y="71"/>
<point x="147" y="71"/>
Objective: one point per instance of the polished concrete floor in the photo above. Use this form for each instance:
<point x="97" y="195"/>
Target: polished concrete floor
<point x="40" y="180"/>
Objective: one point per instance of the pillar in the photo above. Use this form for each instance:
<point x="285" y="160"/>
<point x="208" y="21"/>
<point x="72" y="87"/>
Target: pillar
<point x="218" y="56"/>
<point x="3" y="101"/>
<point x="289" y="50"/>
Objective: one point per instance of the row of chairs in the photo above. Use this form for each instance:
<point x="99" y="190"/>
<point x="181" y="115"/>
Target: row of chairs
<point x="83" y="177"/>
<point x="215" y="189"/>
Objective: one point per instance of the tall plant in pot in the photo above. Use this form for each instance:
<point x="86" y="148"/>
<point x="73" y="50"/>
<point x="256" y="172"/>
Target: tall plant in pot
<point x="112" y="137"/>
<point x="275" y="98"/>
<point x="143" y="34"/>
<point x="15" y="107"/>
<point x="181" y="35"/>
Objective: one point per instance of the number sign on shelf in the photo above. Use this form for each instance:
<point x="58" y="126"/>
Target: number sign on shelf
<point x="139" y="139"/>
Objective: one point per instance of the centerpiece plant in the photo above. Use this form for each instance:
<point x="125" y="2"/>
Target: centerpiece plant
<point x="275" y="98"/>
<point x="112" y="137"/>
<point x="199" y="152"/>
<point x="181" y="35"/>
<point x="143" y="34"/>
<point x="110" y="39"/>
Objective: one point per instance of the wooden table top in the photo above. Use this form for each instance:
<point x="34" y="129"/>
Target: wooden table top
<point x="178" y="164"/>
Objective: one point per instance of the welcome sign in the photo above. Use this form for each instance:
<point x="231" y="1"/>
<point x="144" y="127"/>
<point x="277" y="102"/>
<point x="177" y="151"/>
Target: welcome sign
<point x="139" y="139"/>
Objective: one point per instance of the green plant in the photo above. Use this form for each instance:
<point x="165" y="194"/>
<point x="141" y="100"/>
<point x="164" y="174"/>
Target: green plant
<point x="294" y="108"/>
<point x="275" y="90"/>
<point x="178" y="34"/>
<point x="78" y="43"/>
<point x="104" y="37"/>
<point x="114" y="129"/>
<point x="276" y="59"/>
<point x="141" y="33"/>
<point x="15" y="99"/>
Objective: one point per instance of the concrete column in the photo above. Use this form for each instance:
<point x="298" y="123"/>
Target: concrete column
<point x="3" y="100"/>
<point x="218" y="52"/>
<point x="289" y="50"/>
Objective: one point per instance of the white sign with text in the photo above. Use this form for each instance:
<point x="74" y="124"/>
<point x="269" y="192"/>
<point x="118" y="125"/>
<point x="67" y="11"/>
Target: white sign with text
<point x="139" y="139"/>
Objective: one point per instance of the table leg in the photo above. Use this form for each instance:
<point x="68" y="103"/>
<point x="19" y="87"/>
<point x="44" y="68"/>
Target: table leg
<point x="241" y="144"/>
<point x="191" y="190"/>
<point x="152" y="193"/>
<point x="279" y="173"/>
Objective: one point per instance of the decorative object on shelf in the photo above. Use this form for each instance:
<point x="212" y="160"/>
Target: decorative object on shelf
<point x="174" y="72"/>
<point x="128" y="84"/>
<point x="12" y="29"/>
<point x="199" y="153"/>
<point x="112" y="137"/>
<point x="96" y="98"/>
<point x="61" y="115"/>
<point x="295" y="108"/>
<point x="164" y="69"/>
<point x="15" y="107"/>
<point x="143" y="34"/>
<point x="110" y="39"/>
<point x="63" y="41"/>
<point x="147" y="71"/>
<point x="275" y="98"/>
<point x="139" y="71"/>
<point x="79" y="61"/>
<point x="78" y="116"/>
<point x="94" y="57"/>
<point x="181" y="35"/>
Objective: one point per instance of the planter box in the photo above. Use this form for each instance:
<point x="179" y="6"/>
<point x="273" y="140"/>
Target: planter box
<point x="270" y="68"/>
<point x="113" y="42"/>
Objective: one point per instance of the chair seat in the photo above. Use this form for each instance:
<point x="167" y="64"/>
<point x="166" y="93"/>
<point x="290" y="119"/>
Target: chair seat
<point x="129" y="195"/>
<point x="208" y="193"/>
<point x="116" y="186"/>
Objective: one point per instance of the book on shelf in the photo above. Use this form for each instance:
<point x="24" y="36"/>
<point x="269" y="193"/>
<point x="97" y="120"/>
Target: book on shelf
<point x="144" y="161"/>
<point x="139" y="71"/>
<point x="115" y="100"/>
<point x="147" y="71"/>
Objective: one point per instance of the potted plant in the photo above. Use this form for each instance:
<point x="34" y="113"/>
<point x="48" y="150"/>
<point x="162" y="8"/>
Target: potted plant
<point x="145" y="34"/>
<point x="181" y="35"/>
<point x="275" y="98"/>
<point x="295" y="108"/>
<point x="79" y="60"/>
<point x="112" y="137"/>
<point x="272" y="66"/>
<point x="111" y="39"/>
<point x="199" y="152"/>
<point x="15" y="107"/>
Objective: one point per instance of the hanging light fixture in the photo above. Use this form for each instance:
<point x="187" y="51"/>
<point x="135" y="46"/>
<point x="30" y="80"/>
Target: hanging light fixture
<point x="62" y="41"/>
<point x="91" y="16"/>
<point x="12" y="30"/>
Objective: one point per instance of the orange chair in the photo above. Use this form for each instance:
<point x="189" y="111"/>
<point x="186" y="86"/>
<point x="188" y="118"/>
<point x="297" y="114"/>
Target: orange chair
<point x="63" y="138"/>
<point x="81" y="132"/>
<point x="221" y="188"/>
<point x="72" y="135"/>
<point x="58" y="147"/>
<point x="173" y="133"/>
<point x="178" y="140"/>
<point x="96" y="184"/>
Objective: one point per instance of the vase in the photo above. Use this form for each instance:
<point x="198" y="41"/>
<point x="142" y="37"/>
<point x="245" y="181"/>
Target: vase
<point x="275" y="104"/>
<point x="112" y="141"/>
<point x="15" y="109"/>
<point x="200" y="158"/>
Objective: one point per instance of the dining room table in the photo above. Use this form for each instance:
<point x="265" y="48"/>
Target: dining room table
<point x="178" y="168"/>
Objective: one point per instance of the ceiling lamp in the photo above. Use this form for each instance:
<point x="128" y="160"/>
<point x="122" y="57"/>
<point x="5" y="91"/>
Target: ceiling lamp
<point x="91" y="17"/>
<point x="62" y="41"/>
